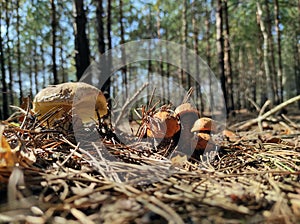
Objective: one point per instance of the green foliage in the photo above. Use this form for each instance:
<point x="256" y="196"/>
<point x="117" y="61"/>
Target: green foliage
<point x="140" y="22"/>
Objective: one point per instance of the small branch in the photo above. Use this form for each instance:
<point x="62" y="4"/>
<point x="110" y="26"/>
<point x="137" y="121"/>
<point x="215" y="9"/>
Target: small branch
<point x="269" y="113"/>
<point x="128" y="102"/>
<point x="262" y="110"/>
<point x="257" y="108"/>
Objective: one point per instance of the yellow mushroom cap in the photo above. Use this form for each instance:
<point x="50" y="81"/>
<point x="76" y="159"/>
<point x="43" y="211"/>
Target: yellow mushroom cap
<point x="83" y="98"/>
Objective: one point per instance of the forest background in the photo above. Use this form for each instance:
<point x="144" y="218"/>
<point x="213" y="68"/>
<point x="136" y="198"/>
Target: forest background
<point x="253" y="47"/>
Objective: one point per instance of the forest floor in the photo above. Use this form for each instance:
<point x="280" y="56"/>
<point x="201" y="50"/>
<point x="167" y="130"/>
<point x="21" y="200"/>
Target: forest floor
<point x="254" y="177"/>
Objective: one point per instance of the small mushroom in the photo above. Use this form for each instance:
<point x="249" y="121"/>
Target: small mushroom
<point x="83" y="99"/>
<point x="202" y="128"/>
<point x="208" y="125"/>
<point x="162" y="125"/>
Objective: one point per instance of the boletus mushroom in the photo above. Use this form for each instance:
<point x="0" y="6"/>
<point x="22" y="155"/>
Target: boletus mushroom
<point x="202" y="128"/>
<point x="208" y="125"/>
<point x="187" y="115"/>
<point x="162" y="125"/>
<point x="86" y="101"/>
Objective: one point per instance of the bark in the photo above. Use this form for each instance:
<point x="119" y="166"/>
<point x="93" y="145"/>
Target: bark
<point x="62" y="58"/>
<point x="220" y="48"/>
<point x="109" y="46"/>
<point x="161" y="70"/>
<point x="122" y="35"/>
<point x="3" y="79"/>
<point x="186" y="77"/>
<point x="279" y="57"/>
<point x="19" y="55"/>
<point x="54" y="28"/>
<point x="208" y="48"/>
<point x="100" y="30"/>
<point x="271" y="51"/>
<point x="9" y="62"/>
<point x="43" y="65"/>
<point x="269" y="86"/>
<point x="196" y="50"/>
<point x="227" y="60"/>
<point x="82" y="57"/>
<point x="36" y="68"/>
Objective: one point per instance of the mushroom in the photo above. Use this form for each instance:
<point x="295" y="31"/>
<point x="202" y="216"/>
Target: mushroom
<point x="204" y="141"/>
<point x="204" y="127"/>
<point x="162" y="125"/>
<point x="187" y="115"/>
<point x="208" y="125"/>
<point x="83" y="99"/>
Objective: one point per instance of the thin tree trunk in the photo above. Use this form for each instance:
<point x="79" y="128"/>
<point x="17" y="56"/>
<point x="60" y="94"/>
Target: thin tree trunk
<point x="82" y="56"/>
<point x="9" y="62"/>
<point x="19" y="55"/>
<point x="184" y="59"/>
<point x="43" y="65"/>
<point x="109" y="46"/>
<point x="269" y="85"/>
<point x="273" y="74"/>
<point x="54" y="27"/>
<point x="227" y="60"/>
<point x="62" y="58"/>
<point x="36" y="69"/>
<point x="220" y="48"/>
<point x="100" y="26"/>
<point x="122" y="35"/>
<point x="196" y="50"/>
<point x="3" y="79"/>
<point x="161" y="70"/>
<point x="279" y="58"/>
<point x="208" y="47"/>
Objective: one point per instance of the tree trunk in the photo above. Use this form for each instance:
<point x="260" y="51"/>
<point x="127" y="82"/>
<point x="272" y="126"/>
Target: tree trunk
<point x="161" y="70"/>
<point x="107" y="85"/>
<point x="269" y="86"/>
<point x="63" y="73"/>
<point x="43" y="65"/>
<point x="19" y="55"/>
<point x="220" y="48"/>
<point x="196" y="50"/>
<point x="122" y="35"/>
<point x="9" y="62"/>
<point x="82" y="57"/>
<point x="184" y="59"/>
<point x="36" y="68"/>
<point x="227" y="60"/>
<point x="208" y="48"/>
<point x="3" y="79"/>
<point x="279" y="58"/>
<point x="273" y="74"/>
<point x="54" y="27"/>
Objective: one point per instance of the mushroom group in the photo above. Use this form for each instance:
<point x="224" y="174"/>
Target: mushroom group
<point x="194" y="131"/>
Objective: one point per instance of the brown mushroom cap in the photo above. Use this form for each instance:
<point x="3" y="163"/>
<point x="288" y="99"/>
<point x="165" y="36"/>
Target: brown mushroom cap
<point x="77" y="95"/>
<point x="206" y="124"/>
<point x="163" y="125"/>
<point x="186" y="108"/>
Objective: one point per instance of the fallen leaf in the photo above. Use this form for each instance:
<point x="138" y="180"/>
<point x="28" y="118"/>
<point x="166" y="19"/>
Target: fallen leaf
<point x="7" y="157"/>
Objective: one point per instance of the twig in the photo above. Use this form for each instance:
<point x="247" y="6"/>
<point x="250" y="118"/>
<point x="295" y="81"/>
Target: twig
<point x="128" y="102"/>
<point x="262" y="110"/>
<point x="254" y="104"/>
<point x="269" y="113"/>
